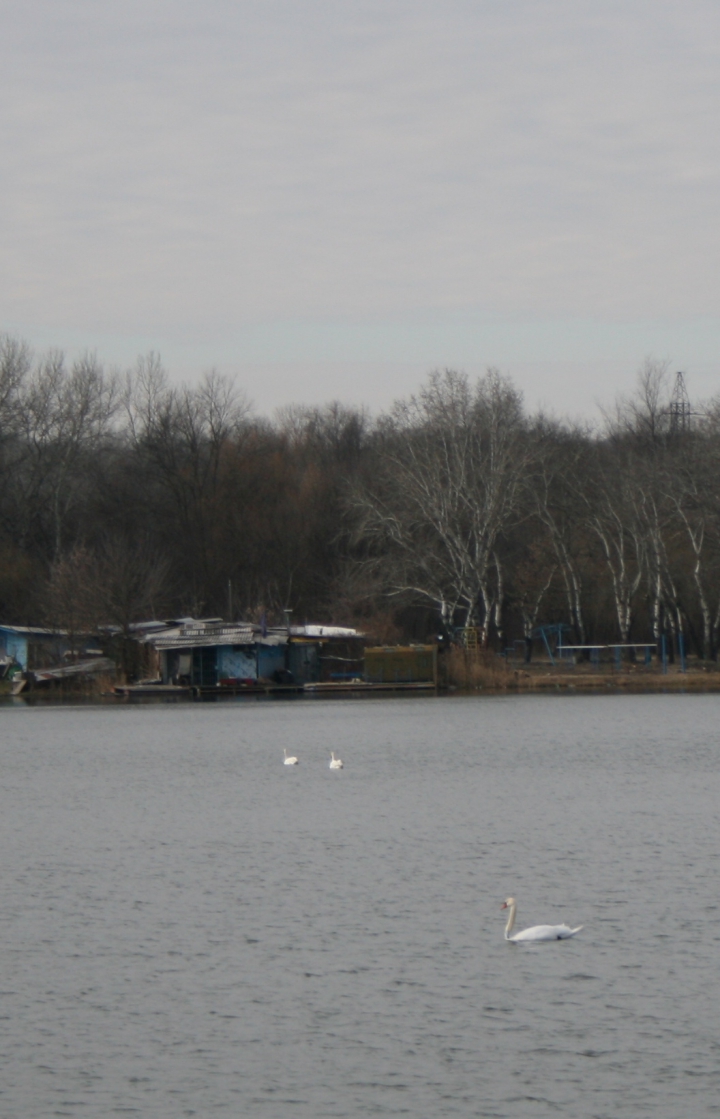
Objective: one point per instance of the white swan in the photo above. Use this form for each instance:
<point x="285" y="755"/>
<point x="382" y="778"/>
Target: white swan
<point x="335" y="763"/>
<point x="289" y="760"/>
<point x="537" y="932"/>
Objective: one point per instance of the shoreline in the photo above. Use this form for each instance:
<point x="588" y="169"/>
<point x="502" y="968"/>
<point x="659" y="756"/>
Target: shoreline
<point x="515" y="683"/>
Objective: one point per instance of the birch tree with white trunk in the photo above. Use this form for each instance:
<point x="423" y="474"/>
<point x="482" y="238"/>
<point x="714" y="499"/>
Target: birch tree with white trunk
<point x="451" y="463"/>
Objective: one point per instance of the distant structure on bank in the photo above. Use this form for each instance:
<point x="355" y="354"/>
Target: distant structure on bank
<point x="679" y="410"/>
<point x="210" y="656"/>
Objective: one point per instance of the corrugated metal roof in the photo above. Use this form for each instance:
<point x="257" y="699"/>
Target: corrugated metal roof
<point x="324" y="631"/>
<point x="203" y="635"/>
<point x="34" y="630"/>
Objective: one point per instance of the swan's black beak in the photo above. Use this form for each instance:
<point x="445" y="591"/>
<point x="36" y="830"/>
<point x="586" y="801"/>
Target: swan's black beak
<point x="504" y="905"/>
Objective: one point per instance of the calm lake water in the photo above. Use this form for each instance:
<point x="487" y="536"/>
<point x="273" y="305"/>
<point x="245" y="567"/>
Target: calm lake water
<point x="188" y="927"/>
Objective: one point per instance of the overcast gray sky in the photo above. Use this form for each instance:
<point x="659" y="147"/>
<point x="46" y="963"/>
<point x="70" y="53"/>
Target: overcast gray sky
<point x="329" y="198"/>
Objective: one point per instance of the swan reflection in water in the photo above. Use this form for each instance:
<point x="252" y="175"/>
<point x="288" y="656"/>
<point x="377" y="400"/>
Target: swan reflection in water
<point x="537" y="932"/>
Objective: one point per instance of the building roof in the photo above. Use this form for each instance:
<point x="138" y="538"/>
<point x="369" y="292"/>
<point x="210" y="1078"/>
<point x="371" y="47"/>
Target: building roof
<point x="179" y="637"/>
<point x="198" y="635"/>
<point x="30" y="631"/>
<point x="323" y="631"/>
<point x="203" y="633"/>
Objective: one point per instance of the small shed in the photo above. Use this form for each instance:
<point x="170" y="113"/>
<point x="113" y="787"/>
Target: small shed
<point x="212" y="653"/>
<point x="33" y="646"/>
<point x="205" y="654"/>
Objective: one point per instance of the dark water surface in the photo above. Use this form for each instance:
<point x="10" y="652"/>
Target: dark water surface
<point x="190" y="928"/>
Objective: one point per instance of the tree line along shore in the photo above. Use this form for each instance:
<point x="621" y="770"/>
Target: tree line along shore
<point x="126" y="497"/>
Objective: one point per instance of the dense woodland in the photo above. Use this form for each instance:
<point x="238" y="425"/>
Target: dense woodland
<point x="125" y="497"/>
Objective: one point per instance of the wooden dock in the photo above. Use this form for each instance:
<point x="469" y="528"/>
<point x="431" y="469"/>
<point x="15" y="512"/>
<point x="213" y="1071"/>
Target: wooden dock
<point x="322" y="687"/>
<point x="361" y="687"/>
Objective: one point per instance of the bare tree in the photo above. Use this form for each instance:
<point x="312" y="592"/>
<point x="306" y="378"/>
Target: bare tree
<point x="611" y="501"/>
<point x="691" y="494"/>
<point x="182" y="436"/>
<point x="60" y="420"/>
<point x="560" y="510"/>
<point x="533" y="573"/>
<point x="451" y="463"/>
<point x="15" y="365"/>
<point x="644" y="414"/>
<point x="71" y="597"/>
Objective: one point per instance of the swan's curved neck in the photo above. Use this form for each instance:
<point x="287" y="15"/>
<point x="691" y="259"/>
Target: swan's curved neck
<point x="510" y="921"/>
